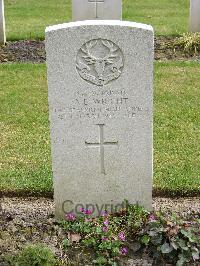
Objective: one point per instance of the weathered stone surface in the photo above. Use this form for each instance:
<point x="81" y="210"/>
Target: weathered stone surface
<point x="96" y="9"/>
<point x="100" y="76"/>
<point x="195" y="15"/>
<point x="2" y="23"/>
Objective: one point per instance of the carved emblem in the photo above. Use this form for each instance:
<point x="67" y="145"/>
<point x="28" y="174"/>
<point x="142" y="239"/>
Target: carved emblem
<point x="99" y="61"/>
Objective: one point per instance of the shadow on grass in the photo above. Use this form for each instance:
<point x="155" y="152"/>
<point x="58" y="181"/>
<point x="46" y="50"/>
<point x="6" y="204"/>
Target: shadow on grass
<point x="157" y="192"/>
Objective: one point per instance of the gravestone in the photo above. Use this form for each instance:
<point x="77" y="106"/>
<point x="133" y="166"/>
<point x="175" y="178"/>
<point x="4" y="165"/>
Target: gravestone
<point x="100" y="99"/>
<point x="195" y="15"/>
<point x="2" y="23"/>
<point x="96" y="9"/>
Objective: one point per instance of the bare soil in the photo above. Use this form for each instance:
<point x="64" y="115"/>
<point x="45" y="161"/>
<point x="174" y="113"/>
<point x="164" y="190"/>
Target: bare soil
<point x="34" y="51"/>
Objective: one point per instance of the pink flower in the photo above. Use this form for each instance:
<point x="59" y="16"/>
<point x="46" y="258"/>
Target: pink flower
<point x="85" y="211"/>
<point x="82" y="210"/>
<point x="152" y="218"/>
<point x="104" y="238"/>
<point x="103" y="213"/>
<point x="88" y="212"/>
<point x="122" y="236"/>
<point x="106" y="222"/>
<point x="70" y="217"/>
<point x="105" y="229"/>
<point x="123" y="251"/>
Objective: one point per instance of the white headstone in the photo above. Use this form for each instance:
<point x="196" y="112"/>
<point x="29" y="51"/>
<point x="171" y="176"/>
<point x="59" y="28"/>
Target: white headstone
<point x="100" y="76"/>
<point x="2" y="23"/>
<point x="96" y="9"/>
<point x="195" y="15"/>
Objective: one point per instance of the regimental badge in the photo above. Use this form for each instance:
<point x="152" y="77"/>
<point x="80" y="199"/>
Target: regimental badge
<point x="99" y="61"/>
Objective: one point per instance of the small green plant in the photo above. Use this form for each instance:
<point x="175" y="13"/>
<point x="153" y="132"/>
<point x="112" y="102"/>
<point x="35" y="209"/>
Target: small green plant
<point x="107" y="234"/>
<point x="111" y="235"/>
<point x="36" y="255"/>
<point x="171" y="239"/>
<point x="189" y="41"/>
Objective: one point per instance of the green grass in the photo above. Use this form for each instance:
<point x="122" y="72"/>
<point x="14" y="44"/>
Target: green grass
<point x="25" y="130"/>
<point x="27" y="19"/>
<point x="168" y="17"/>
<point x="25" y="144"/>
<point x="176" y="127"/>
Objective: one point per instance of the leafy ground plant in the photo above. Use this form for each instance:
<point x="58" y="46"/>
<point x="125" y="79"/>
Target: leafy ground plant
<point x="171" y="239"/>
<point x="34" y="255"/>
<point x="106" y="235"/>
<point x="189" y="41"/>
<point x="110" y="236"/>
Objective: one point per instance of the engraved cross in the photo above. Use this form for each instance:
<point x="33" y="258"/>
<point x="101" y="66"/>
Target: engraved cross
<point x="96" y="5"/>
<point x="101" y="145"/>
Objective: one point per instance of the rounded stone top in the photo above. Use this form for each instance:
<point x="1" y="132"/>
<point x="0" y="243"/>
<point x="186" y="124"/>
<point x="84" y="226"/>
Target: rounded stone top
<point x="100" y="23"/>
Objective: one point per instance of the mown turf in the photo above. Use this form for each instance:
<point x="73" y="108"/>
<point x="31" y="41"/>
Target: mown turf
<point x="25" y="130"/>
<point x="176" y="127"/>
<point x="166" y="17"/>
<point x="25" y="144"/>
<point x="27" y="19"/>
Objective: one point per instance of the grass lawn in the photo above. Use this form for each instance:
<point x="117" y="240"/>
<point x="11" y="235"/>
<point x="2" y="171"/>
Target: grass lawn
<point x="27" y="19"/>
<point x="25" y="144"/>
<point x="176" y="127"/>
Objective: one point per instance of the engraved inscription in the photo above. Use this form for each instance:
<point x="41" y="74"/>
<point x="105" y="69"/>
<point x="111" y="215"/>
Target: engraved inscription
<point x="101" y="145"/>
<point x="101" y="104"/>
<point x="96" y="2"/>
<point x="99" y="62"/>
